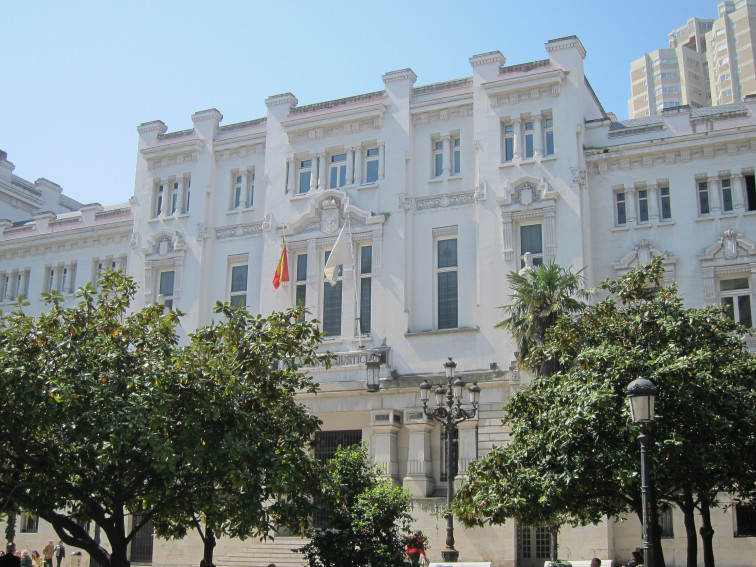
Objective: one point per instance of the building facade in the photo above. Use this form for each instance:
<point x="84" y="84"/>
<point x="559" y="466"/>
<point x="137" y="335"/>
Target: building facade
<point x="440" y="190"/>
<point x="708" y="62"/>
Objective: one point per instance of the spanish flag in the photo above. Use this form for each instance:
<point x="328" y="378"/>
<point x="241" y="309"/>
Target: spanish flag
<point x="282" y="270"/>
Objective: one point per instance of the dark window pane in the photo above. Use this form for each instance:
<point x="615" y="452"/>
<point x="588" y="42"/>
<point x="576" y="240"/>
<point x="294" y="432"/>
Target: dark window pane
<point x="508" y="149"/>
<point x="239" y="278"/>
<point x="549" y="143"/>
<point x="530" y="239"/>
<point x="703" y="198"/>
<point x="238" y="300"/>
<point x="301" y="267"/>
<point x="447" y="300"/>
<point x="447" y="253"/>
<point x="744" y="310"/>
<point x="366" y="260"/>
<point x="729" y="306"/>
<point x="745" y="520"/>
<point x="733" y="284"/>
<point x="371" y="173"/>
<point x="666" y="208"/>
<point x="166" y="283"/>
<point x="365" y="305"/>
<point x="332" y="309"/>
<point x="643" y="206"/>
<point x="750" y="184"/>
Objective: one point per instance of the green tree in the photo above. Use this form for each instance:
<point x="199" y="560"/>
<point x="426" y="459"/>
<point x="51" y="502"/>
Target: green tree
<point x="99" y="408"/>
<point x="368" y="520"/>
<point x="539" y="297"/>
<point x="247" y="467"/>
<point x="575" y="425"/>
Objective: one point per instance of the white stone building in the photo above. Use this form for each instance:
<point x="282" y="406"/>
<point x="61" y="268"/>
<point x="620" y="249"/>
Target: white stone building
<point x="442" y="189"/>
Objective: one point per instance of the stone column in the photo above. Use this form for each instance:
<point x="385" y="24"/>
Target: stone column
<point x="180" y="189"/>
<point x="537" y="136"/>
<point x="632" y="215"/>
<point x="419" y="478"/>
<point x="446" y="161"/>
<point x="517" y="137"/>
<point x="714" y="195"/>
<point x="350" y="166"/>
<point x="385" y="429"/>
<point x="243" y="188"/>
<point x="24" y="283"/>
<point x="164" y="202"/>
<point x="653" y="202"/>
<point x="738" y="192"/>
<point x="314" y="163"/>
<point x="290" y="175"/>
<point x="322" y="172"/>
<point x="381" y="160"/>
<point x="468" y="447"/>
<point x="358" y="165"/>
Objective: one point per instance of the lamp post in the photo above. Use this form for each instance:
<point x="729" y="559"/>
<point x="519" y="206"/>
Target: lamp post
<point x="449" y="412"/>
<point x="641" y="394"/>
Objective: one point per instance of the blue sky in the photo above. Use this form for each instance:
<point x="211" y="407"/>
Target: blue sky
<point x="79" y="77"/>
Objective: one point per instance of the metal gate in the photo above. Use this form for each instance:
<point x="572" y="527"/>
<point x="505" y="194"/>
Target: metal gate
<point x="141" y="545"/>
<point x="326" y="444"/>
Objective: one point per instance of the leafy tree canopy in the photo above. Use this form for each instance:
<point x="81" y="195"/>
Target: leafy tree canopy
<point x="103" y="415"/>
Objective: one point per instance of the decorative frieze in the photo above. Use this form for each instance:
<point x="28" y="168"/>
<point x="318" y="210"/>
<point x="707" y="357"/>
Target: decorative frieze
<point x="177" y="159"/>
<point x="525" y="95"/>
<point x="335" y="130"/>
<point x="443" y="115"/>
<point x="240" y="152"/>
<point x="246" y="229"/>
<point x="445" y="200"/>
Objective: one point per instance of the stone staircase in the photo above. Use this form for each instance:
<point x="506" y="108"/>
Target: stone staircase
<point x="256" y="553"/>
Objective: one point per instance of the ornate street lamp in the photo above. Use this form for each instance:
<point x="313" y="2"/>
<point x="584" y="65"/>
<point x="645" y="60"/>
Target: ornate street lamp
<point x="449" y="412"/>
<point x="373" y="369"/>
<point x="641" y="394"/>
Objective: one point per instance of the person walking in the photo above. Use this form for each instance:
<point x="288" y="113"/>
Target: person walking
<point x="10" y="559"/>
<point x="60" y="553"/>
<point x="37" y="558"/>
<point x="416" y="548"/>
<point x="26" y="560"/>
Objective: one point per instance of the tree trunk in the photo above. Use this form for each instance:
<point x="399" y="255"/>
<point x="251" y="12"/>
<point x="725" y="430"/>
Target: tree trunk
<point x="689" y="521"/>
<point x="209" y="545"/>
<point x="554" y="533"/>
<point x="656" y="533"/>
<point x="10" y="527"/>
<point x="707" y="534"/>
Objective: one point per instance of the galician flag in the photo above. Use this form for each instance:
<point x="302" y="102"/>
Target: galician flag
<point x="339" y="255"/>
<point x="282" y="270"/>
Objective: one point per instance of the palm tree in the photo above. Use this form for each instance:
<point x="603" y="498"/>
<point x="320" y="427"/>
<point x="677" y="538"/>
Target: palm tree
<point x="540" y="295"/>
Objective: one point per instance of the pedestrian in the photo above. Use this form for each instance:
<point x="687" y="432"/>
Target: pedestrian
<point x="637" y="558"/>
<point x="10" y="559"/>
<point x="60" y="552"/>
<point x="26" y="560"/>
<point x="47" y="552"/>
<point x="416" y="548"/>
<point x="595" y="562"/>
<point x="37" y="558"/>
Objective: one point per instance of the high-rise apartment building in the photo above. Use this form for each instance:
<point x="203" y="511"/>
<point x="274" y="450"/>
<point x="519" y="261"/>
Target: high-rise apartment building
<point x="708" y="62"/>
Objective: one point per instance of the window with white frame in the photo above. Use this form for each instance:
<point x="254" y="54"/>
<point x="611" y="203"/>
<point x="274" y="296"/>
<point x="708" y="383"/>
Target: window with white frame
<point x="158" y="203"/>
<point x="665" y="209"/>
<point x="529" y="139"/>
<point x="242" y="190"/>
<point x="548" y="136"/>
<point x="620" y="208"/>
<point x="174" y="197"/>
<point x="366" y="284"/>
<point x="332" y="295"/>
<point x="735" y="297"/>
<point x="531" y="240"/>
<point x="447" y="273"/>
<point x="51" y="274"/>
<point x="456" y="155"/>
<point x="238" y="290"/>
<point x="726" y="187"/>
<point x="703" y="198"/>
<point x="236" y="192"/>
<point x="337" y="171"/>
<point x="438" y="158"/>
<point x="642" y="205"/>
<point x="6" y="287"/>
<point x="372" y="164"/>
<point x="300" y="287"/>
<point x="509" y="142"/>
<point x="29" y="524"/>
<point x="166" y="287"/>
<point x="305" y="175"/>
<point x="19" y="287"/>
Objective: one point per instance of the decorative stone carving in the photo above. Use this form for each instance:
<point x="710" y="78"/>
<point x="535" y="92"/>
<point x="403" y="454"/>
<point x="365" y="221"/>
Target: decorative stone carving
<point x="405" y="202"/>
<point x="329" y="218"/>
<point x="642" y="254"/>
<point x="445" y="200"/>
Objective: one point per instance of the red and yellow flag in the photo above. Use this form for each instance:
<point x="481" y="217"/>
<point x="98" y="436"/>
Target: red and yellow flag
<point x="282" y="270"/>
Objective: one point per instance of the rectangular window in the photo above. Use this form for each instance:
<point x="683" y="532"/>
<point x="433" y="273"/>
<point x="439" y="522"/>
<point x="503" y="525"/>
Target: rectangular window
<point x="19" y="291"/>
<point x="548" y="135"/>
<point x="621" y="207"/>
<point x="332" y="304"/>
<point x="366" y="284"/>
<point x="300" y="291"/>
<point x="666" y="204"/>
<point x="643" y="206"/>
<point x="159" y="195"/>
<point x="457" y="156"/>
<point x="735" y="295"/>
<point x="508" y="143"/>
<point x="665" y="521"/>
<point x="529" y="140"/>
<point x="238" y="294"/>
<point x="371" y="165"/>
<point x="531" y="240"/>
<point x="703" y="197"/>
<point x="187" y="194"/>
<point x="446" y="280"/>
<point x="63" y="281"/>
<point x="338" y="171"/>
<point x="29" y="524"/>
<point x="750" y="185"/>
<point x="745" y="520"/>
<point x="726" y="194"/>
<point x="438" y="158"/>
<point x="305" y="175"/>
<point x="166" y="288"/>
<point x="236" y="193"/>
<point x="174" y="198"/>
<point x="51" y="281"/>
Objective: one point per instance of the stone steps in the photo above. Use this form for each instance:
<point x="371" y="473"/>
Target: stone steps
<point x="261" y="554"/>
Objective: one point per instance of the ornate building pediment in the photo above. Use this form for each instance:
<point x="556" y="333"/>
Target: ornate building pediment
<point x="642" y="254"/>
<point x="730" y="246"/>
<point x="327" y="213"/>
<point x="528" y="192"/>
